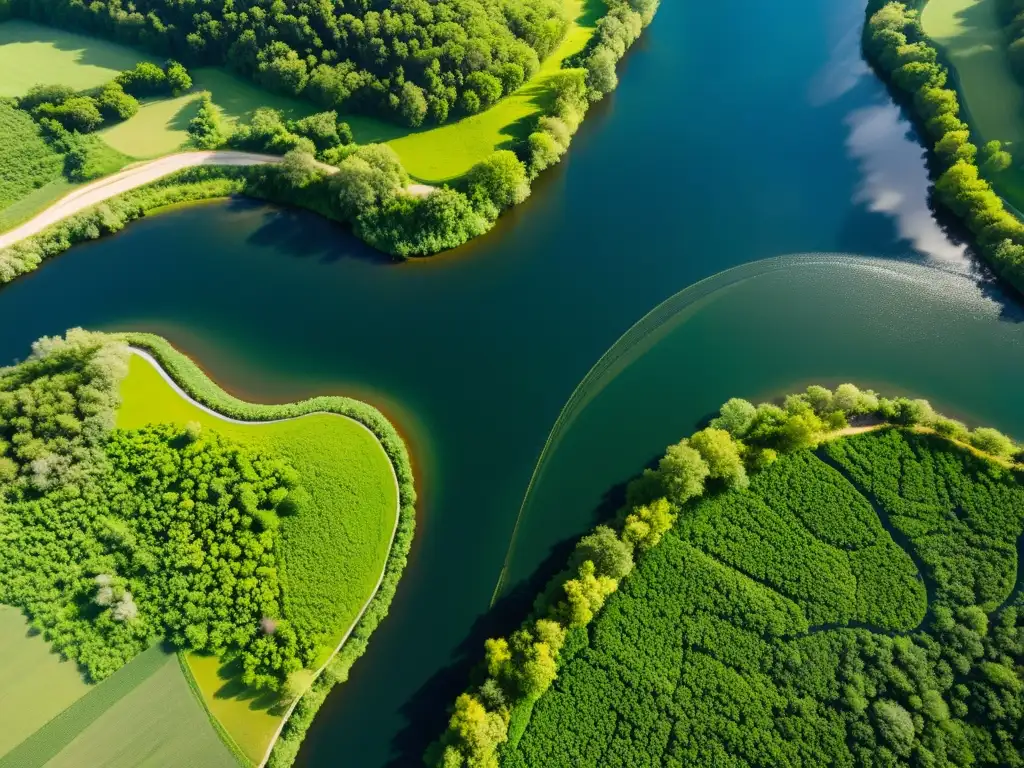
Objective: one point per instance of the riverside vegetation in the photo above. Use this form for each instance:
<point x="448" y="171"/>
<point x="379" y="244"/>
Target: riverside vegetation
<point x="759" y="600"/>
<point x="365" y="186"/>
<point x="895" y="44"/>
<point x="117" y="536"/>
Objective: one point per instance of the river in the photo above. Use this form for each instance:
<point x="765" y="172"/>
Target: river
<point x="740" y="132"/>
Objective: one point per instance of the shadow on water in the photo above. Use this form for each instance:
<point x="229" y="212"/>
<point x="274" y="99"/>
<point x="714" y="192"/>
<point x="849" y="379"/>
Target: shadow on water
<point x="295" y="233"/>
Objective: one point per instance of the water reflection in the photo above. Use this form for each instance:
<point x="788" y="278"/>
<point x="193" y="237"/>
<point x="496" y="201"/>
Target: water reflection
<point x="894" y="181"/>
<point x="845" y="65"/>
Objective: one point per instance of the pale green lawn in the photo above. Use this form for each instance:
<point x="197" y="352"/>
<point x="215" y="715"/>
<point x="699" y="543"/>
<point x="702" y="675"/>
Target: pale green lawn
<point x="31" y="54"/>
<point x="245" y="714"/>
<point x="332" y="553"/>
<point x="447" y="151"/>
<point x="158" y="724"/>
<point x="969" y="33"/>
<point x="35" y="684"/>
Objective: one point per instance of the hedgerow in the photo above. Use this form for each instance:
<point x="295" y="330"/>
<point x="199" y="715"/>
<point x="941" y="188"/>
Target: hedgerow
<point x="706" y="622"/>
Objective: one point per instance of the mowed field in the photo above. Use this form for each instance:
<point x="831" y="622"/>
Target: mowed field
<point x="969" y="33"/>
<point x="332" y="553"/>
<point x="35" y="684"/>
<point x="142" y="715"/>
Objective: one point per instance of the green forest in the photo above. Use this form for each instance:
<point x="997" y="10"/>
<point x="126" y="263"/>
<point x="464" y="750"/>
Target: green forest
<point x="115" y="537"/>
<point x="412" y="61"/>
<point x="829" y="581"/>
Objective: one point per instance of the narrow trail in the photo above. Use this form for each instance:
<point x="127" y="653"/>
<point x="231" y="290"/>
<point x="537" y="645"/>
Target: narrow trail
<point x="394" y="530"/>
<point x="145" y="173"/>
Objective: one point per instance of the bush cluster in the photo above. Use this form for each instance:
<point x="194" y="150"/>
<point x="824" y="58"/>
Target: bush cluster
<point x="413" y="62"/>
<point x="117" y="100"/>
<point x="742" y="440"/>
<point x="896" y="45"/>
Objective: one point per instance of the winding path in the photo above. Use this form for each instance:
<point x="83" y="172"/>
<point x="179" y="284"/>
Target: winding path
<point x="145" y="173"/>
<point x="394" y="476"/>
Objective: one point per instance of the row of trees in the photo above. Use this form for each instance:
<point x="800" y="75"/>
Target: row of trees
<point x="895" y="43"/>
<point x="116" y="536"/>
<point x="413" y="61"/>
<point x="799" y="528"/>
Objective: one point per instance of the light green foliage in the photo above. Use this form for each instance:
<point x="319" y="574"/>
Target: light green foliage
<point x="722" y="456"/>
<point x="497" y="183"/>
<point x="682" y="472"/>
<point x="610" y="555"/>
<point x="736" y="417"/>
<point x="992" y="441"/>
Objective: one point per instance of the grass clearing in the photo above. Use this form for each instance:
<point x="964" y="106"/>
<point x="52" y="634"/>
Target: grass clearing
<point x="157" y="724"/>
<point x="250" y="717"/>
<point x="447" y="151"/>
<point x="160" y="127"/>
<point x="37" y="684"/>
<point x="969" y="33"/>
<point x="31" y="54"/>
<point x="332" y="553"/>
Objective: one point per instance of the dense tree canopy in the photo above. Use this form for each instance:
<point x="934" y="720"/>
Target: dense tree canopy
<point x="411" y="60"/>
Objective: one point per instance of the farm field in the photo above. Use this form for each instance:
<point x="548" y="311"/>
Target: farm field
<point x="144" y="709"/>
<point x="331" y="554"/>
<point x="767" y="625"/>
<point x="36" y="683"/>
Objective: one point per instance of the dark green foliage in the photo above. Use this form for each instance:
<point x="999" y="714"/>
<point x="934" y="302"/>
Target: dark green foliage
<point x="962" y="513"/>
<point x="113" y="537"/>
<point x="115" y="104"/>
<point x="144" y="80"/>
<point x="894" y="42"/>
<point x="413" y="61"/>
<point x="693" y="662"/>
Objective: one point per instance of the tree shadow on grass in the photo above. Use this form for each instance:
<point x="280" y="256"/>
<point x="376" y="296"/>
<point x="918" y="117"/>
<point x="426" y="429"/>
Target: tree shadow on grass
<point x="91" y="51"/>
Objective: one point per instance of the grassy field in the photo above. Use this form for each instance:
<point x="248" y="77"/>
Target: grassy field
<point x="969" y="32"/>
<point x="36" y="684"/>
<point x="157" y="724"/>
<point x="31" y="54"/>
<point x="143" y="714"/>
<point x="251" y="717"/>
<point x="332" y="553"/>
<point x="442" y="153"/>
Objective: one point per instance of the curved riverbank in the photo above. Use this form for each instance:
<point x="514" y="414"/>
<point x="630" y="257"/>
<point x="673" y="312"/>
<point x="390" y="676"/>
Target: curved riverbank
<point x="191" y="384"/>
